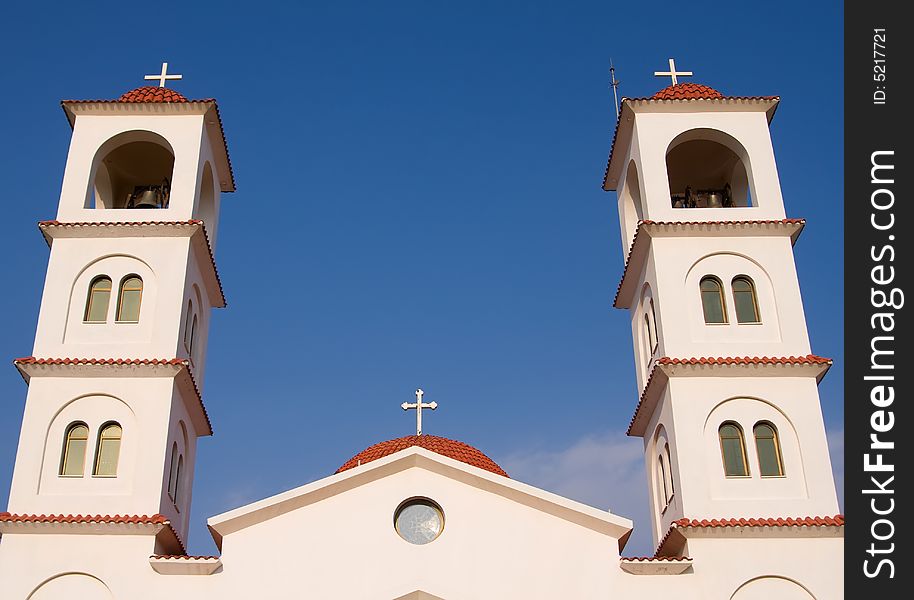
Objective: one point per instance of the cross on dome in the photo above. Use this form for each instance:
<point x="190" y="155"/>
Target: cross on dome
<point x="163" y="76"/>
<point x="672" y="72"/>
<point x="419" y="405"/>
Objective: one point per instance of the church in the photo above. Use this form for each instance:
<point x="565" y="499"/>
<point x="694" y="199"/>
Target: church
<point x="742" y="495"/>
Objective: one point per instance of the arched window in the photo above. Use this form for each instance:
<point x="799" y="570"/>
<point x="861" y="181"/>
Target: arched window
<point x="733" y="450"/>
<point x="712" y="300"/>
<point x="193" y="336"/>
<point x="97" y="301"/>
<point x="178" y="477"/>
<point x="73" y="457"/>
<point x="745" y="300"/>
<point x="187" y="317"/>
<point x="173" y="472"/>
<point x="654" y="327"/>
<point x="129" y="298"/>
<point x="109" y="447"/>
<point x="648" y="336"/>
<point x="661" y="482"/>
<point x="768" y="449"/>
<point x="669" y="474"/>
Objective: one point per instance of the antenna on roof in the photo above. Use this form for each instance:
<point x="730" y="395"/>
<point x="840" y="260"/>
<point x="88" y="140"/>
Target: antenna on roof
<point x="615" y="84"/>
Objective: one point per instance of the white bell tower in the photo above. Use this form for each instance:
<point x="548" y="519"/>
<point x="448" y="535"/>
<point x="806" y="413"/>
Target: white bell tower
<point x="728" y="403"/>
<point x="114" y="405"/>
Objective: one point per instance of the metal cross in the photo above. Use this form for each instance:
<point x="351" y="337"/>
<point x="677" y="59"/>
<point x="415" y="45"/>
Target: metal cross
<point x="672" y="72"/>
<point x="163" y="76"/>
<point x="419" y="405"/>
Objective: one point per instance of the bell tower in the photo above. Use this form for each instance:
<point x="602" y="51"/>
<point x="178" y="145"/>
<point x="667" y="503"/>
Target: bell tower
<point x="728" y="402"/>
<point x="114" y="405"/>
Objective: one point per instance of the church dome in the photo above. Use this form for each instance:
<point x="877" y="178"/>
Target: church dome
<point x="151" y="93"/>
<point x="686" y="91"/>
<point x="450" y="448"/>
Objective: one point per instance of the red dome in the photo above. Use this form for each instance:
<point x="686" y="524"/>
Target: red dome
<point x="151" y="93"/>
<point x="450" y="448"/>
<point x="686" y="91"/>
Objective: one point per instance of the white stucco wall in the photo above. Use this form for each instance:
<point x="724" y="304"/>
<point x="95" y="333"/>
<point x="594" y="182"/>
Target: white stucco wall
<point x="148" y="410"/>
<point x="345" y="546"/>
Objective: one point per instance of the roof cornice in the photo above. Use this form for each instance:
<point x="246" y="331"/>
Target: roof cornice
<point x="734" y="366"/>
<point x="178" y="368"/>
<point x="195" y="229"/>
<point x="182" y="564"/>
<point x="157" y="525"/>
<point x="655" y="565"/>
<point x="765" y="527"/>
<point x="647" y="230"/>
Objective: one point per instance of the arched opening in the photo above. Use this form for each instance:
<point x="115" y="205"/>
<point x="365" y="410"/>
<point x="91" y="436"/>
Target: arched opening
<point x="733" y="450"/>
<point x="745" y="300"/>
<point x="97" y="302"/>
<point x="712" y="300"/>
<point x="187" y="330"/>
<point x="108" y="450"/>
<point x="173" y="472"/>
<point x="73" y="457"/>
<point x="129" y="299"/>
<point x="668" y="482"/>
<point x="630" y="209"/>
<point x="207" y="206"/>
<point x="136" y="173"/>
<point x="768" y="449"/>
<point x="705" y="172"/>
<point x="178" y="470"/>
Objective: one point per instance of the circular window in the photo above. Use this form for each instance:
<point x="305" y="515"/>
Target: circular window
<point x="419" y="520"/>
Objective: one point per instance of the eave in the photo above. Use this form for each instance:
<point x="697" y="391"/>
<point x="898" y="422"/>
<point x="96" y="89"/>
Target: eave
<point x="195" y="229"/>
<point x="746" y="366"/>
<point x="682" y="530"/>
<point x="207" y="108"/>
<point x="594" y="519"/>
<point x="155" y="525"/>
<point x="630" y="106"/>
<point x="647" y="230"/>
<point x="177" y="368"/>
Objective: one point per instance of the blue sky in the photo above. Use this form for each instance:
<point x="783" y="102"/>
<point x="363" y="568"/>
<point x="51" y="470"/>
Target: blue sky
<point x="419" y="204"/>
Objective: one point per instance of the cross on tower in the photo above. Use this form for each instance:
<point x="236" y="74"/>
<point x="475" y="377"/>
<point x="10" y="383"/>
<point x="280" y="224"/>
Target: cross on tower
<point x="163" y="76"/>
<point x="419" y="405"/>
<point x="672" y="72"/>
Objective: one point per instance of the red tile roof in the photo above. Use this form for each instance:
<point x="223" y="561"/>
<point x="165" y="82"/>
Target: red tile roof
<point x="686" y="91"/>
<point x="151" y="93"/>
<point x="450" y="448"/>
<point x="43" y="225"/>
<point x="654" y="558"/>
<point x="157" y="519"/>
<point x="741" y="224"/>
<point x="134" y="519"/>
<point x="183" y="557"/>
<point x="31" y="360"/>
<point x="762" y="522"/>
<point x="810" y="359"/>
<point x="662" y="548"/>
<point x="183" y="363"/>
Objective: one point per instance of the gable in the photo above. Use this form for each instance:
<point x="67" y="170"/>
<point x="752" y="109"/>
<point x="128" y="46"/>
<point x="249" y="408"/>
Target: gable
<point x="346" y="545"/>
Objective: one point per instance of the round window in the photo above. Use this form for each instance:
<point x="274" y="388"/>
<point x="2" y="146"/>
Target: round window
<point x="419" y="520"/>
